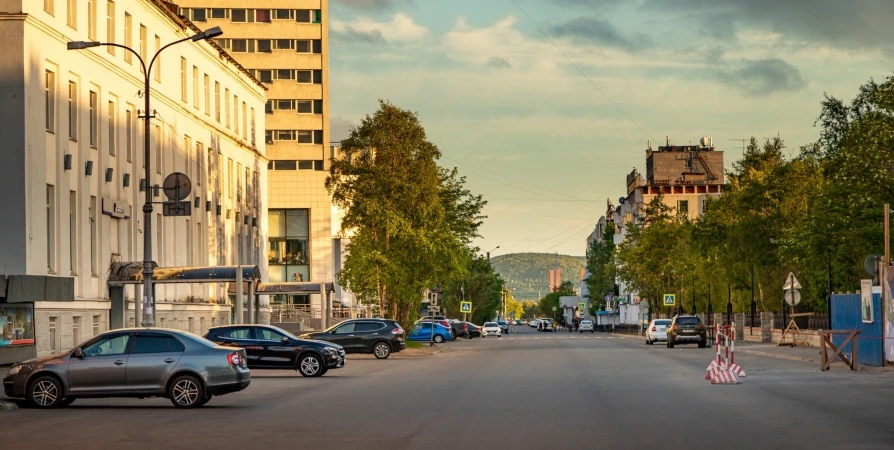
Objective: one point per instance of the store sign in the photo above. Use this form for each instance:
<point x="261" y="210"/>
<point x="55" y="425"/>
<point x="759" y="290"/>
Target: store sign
<point x="117" y="209"/>
<point x="16" y="324"/>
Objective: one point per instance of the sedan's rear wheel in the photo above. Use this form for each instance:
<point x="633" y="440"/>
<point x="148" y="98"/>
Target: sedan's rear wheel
<point x="186" y="392"/>
<point x="382" y="350"/>
<point x="439" y="339"/>
<point x="310" y="365"/>
<point x="45" y="392"/>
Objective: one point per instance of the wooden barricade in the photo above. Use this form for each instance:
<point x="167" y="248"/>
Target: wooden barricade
<point x="826" y="340"/>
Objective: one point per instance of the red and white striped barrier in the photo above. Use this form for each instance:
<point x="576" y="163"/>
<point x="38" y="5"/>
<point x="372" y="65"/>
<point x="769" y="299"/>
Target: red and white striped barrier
<point x="723" y="369"/>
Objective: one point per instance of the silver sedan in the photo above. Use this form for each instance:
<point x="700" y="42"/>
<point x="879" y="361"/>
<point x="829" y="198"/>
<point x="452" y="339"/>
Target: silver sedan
<point x="144" y="362"/>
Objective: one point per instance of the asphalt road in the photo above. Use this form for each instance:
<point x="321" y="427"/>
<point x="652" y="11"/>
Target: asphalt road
<point x="527" y="390"/>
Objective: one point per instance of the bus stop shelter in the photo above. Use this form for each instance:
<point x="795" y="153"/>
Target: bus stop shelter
<point x="122" y="274"/>
<point x="295" y="288"/>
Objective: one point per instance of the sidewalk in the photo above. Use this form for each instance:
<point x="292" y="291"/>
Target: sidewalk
<point x="800" y="353"/>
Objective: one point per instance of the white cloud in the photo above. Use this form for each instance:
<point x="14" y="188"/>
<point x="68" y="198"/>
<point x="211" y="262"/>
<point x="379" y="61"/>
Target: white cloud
<point x="400" y="29"/>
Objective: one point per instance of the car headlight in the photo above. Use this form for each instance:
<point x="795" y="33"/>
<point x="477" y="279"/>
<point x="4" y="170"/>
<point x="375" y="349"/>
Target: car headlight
<point x="331" y="350"/>
<point x="15" y="370"/>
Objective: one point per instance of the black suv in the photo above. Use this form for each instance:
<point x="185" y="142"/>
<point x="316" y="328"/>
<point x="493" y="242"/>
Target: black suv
<point x="687" y="330"/>
<point x="269" y="347"/>
<point x="381" y="337"/>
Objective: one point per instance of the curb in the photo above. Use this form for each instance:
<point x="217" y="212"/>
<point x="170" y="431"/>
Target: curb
<point x="778" y="355"/>
<point x="8" y="406"/>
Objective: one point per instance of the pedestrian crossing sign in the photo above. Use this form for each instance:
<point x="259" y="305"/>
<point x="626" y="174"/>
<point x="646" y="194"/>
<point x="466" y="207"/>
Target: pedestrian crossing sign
<point x="670" y="300"/>
<point x="581" y="306"/>
<point x="465" y="307"/>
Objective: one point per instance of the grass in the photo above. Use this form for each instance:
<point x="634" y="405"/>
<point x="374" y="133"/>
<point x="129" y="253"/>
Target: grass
<point x="413" y="344"/>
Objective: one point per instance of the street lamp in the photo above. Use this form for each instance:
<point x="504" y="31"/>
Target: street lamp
<point x="488" y="253"/>
<point x="148" y="301"/>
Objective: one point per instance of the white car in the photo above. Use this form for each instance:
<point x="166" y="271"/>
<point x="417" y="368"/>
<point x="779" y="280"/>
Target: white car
<point x="585" y="325"/>
<point x="533" y="323"/>
<point x="657" y="330"/>
<point x="491" y="329"/>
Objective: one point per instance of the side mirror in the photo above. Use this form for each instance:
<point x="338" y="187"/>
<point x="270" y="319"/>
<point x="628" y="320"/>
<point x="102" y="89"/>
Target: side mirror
<point x="285" y="340"/>
<point x="78" y="353"/>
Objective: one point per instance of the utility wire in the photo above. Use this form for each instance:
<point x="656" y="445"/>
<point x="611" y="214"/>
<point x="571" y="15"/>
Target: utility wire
<point x="581" y="71"/>
<point x="517" y="181"/>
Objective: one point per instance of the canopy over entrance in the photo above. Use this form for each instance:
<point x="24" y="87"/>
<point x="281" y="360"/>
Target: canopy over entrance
<point x="132" y="273"/>
<point x="291" y="288"/>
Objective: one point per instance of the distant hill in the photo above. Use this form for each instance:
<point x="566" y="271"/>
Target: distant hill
<point x="527" y="274"/>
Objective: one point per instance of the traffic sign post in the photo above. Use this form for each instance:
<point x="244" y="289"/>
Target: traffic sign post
<point x="792" y="297"/>
<point x="670" y="300"/>
<point x="465" y="307"/>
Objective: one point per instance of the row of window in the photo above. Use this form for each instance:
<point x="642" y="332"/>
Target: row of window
<point x="55" y="335"/>
<point x="301" y="106"/>
<point x="284" y="164"/>
<point x="269" y="45"/>
<point x="301" y="76"/>
<point x="240" y="15"/>
<point x="302" y="136"/>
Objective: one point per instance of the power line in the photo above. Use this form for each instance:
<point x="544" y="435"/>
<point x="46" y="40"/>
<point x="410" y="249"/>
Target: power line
<point x="517" y="181"/>
<point x="581" y="71"/>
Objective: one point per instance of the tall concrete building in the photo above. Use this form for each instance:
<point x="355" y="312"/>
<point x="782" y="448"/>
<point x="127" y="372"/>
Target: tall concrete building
<point x="286" y="45"/>
<point x="74" y="163"/>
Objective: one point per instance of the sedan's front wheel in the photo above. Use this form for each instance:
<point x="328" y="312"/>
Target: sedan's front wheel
<point x="439" y="339"/>
<point x="45" y="392"/>
<point x="186" y="392"/>
<point x="310" y="365"/>
<point x="382" y="350"/>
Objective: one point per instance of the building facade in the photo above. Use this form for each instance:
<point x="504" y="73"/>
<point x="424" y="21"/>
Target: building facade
<point x="74" y="159"/>
<point x="286" y="45"/>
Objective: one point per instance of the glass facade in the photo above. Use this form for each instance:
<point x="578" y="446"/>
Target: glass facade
<point x="287" y="249"/>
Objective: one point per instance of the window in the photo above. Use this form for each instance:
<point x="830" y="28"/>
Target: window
<point x="128" y="116"/>
<point x="285" y="165"/>
<point x="305" y="137"/>
<point x="107" y="346"/>
<point x="305" y="165"/>
<point x="345" y="329"/>
<point x="368" y="326"/>
<point x="239" y="45"/>
<point x="266" y="334"/>
<point x="285" y="44"/>
<point x="199" y="15"/>
<point x="307" y="16"/>
<point x="284" y="14"/>
<point x="318" y="165"/>
<point x="91" y="19"/>
<point x="73" y="240"/>
<point x="266" y="76"/>
<point x="230" y="177"/>
<point x="244" y="121"/>
<point x="113" y="127"/>
<point x="217" y="101"/>
<point x="51" y="228"/>
<point x="201" y="324"/>
<point x="305" y="106"/>
<point x="50" y="87"/>
<point x="219" y="13"/>
<point x="252" y="126"/>
<point x="192" y="326"/>
<point x="238" y="183"/>
<point x="128" y="37"/>
<point x="304" y="76"/>
<point x="195" y="87"/>
<point x="50" y="7"/>
<point x="183" y="80"/>
<point x="92" y="212"/>
<point x="236" y="333"/>
<point x="318" y="107"/>
<point x="683" y="207"/>
<point x="287" y="250"/>
<point x="227" y="107"/>
<point x="158" y="61"/>
<point x="76" y="330"/>
<point x="264" y="45"/>
<point x="156" y="344"/>
<point x="158" y="148"/>
<point x="110" y="26"/>
<point x="236" y="114"/>
<point x="317" y="46"/>
<point x="303" y="46"/>
<point x="53" y="335"/>
<point x="94" y="119"/>
<point x="73" y="110"/>
<point x="72" y="14"/>
<point x="239" y="15"/>
<point x="200" y="163"/>
<point x="262" y="15"/>
<point x="207" y="95"/>
<point x="96" y="321"/>
<point x="143" y="44"/>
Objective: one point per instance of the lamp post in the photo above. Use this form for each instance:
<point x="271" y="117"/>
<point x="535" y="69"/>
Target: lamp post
<point x="148" y="319"/>
<point x="488" y="253"/>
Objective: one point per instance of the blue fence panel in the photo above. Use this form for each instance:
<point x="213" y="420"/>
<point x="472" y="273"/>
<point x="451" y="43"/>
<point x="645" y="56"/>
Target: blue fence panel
<point x="847" y="314"/>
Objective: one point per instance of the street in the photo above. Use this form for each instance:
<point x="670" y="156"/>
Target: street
<point x="524" y="390"/>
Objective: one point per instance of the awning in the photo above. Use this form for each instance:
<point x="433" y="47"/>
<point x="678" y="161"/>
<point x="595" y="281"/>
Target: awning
<point x="289" y="288"/>
<point x="132" y="273"/>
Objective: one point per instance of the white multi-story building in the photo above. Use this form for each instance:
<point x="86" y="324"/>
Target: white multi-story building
<point x="73" y="158"/>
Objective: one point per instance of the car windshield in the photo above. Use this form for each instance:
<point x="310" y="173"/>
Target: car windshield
<point x="663" y="322"/>
<point x="586" y="322"/>
<point x="502" y="322"/>
<point x="687" y="320"/>
<point x="490" y="324"/>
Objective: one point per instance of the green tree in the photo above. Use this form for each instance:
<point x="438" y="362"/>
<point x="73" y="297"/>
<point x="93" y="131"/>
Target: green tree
<point x="602" y="267"/>
<point x="551" y="300"/>
<point x="479" y="284"/>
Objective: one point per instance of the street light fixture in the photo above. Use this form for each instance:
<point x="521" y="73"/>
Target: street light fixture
<point x="148" y="319"/>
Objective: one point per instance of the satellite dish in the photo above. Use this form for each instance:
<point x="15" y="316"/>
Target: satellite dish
<point x="705" y="141"/>
<point x="870" y="265"/>
<point x="621" y="200"/>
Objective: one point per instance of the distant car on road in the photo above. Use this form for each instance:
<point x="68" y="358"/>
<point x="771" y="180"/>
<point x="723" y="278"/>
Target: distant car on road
<point x="422" y="331"/>
<point x="460" y="329"/>
<point x="269" y="347"/>
<point x="145" y="362"/>
<point x="533" y="323"/>
<point x="491" y="329"/>
<point x="657" y="330"/>
<point x="443" y="321"/>
<point x="547" y="325"/>
<point x="381" y="337"/>
<point x="687" y="330"/>
<point x="504" y="326"/>
<point x="585" y="325"/>
<point x="474" y="330"/>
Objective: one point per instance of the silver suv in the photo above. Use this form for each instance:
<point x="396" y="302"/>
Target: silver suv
<point x="144" y="362"/>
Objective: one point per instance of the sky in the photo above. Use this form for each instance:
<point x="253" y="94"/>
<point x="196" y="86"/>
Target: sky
<point x="546" y="105"/>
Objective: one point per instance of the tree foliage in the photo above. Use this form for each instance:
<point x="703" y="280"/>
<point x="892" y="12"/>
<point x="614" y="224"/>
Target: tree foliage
<point x="551" y="300"/>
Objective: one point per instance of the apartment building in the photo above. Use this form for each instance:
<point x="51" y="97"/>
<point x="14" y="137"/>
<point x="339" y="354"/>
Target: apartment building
<point x="286" y="46"/>
<point x="74" y="160"/>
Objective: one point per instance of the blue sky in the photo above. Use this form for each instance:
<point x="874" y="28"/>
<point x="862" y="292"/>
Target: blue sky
<point x="526" y="122"/>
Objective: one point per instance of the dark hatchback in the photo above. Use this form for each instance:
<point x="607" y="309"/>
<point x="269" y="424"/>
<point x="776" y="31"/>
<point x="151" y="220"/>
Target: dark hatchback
<point x="687" y="330"/>
<point x="381" y="337"/>
<point x="269" y="347"/>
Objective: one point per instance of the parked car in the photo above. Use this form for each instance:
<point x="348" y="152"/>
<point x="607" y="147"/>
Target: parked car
<point x="460" y="329"/>
<point x="687" y="330"/>
<point x="145" y="362"/>
<point x="657" y="330"/>
<point x="504" y="326"/>
<point x="443" y="322"/>
<point x="533" y="323"/>
<point x="474" y="330"/>
<point x="381" y="337"/>
<point x="423" y="332"/>
<point x="547" y="325"/>
<point x="269" y="347"/>
<point x="586" y="325"/>
<point x="491" y="329"/>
